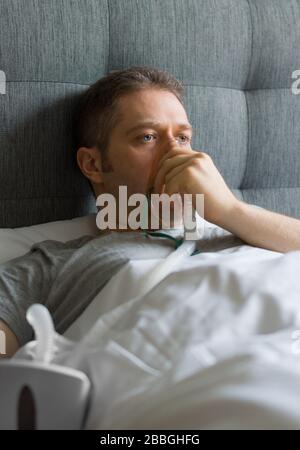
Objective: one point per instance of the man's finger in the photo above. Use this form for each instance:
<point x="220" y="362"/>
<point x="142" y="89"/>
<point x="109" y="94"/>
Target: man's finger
<point x="168" y="166"/>
<point x="174" y="151"/>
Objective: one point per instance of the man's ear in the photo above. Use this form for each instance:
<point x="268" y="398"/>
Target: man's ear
<point x="89" y="162"/>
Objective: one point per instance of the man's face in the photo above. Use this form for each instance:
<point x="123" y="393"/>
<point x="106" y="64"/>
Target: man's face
<point x="150" y="120"/>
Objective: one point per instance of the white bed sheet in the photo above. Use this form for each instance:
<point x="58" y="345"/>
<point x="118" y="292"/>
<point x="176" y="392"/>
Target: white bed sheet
<point x="211" y="347"/>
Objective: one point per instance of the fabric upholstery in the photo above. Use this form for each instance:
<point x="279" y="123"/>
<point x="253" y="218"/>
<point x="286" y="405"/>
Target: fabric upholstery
<point x="235" y="58"/>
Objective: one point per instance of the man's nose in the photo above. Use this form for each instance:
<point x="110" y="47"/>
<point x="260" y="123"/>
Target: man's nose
<point x="168" y="145"/>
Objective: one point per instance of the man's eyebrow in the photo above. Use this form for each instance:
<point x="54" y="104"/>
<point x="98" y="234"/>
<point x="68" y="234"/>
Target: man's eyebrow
<point x="182" y="126"/>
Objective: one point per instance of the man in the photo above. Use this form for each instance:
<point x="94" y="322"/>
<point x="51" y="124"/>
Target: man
<point x="132" y="130"/>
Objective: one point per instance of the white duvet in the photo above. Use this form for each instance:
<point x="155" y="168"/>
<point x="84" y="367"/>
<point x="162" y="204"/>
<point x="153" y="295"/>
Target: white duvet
<point x="215" y="345"/>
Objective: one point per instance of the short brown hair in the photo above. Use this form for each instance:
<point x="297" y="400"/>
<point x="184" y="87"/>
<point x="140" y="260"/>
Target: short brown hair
<point x="97" y="115"/>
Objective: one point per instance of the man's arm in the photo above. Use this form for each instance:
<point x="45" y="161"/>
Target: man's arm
<point x="28" y="279"/>
<point x="262" y="228"/>
<point x="8" y="341"/>
<point x="187" y="171"/>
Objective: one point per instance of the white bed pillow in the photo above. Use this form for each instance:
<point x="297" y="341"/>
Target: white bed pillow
<point x="15" y="242"/>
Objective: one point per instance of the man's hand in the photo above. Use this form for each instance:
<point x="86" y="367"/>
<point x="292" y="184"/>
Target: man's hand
<point x="9" y="341"/>
<point x="185" y="171"/>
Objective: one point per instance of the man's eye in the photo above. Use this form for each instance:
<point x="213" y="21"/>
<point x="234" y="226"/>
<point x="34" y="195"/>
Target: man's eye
<point x="147" y="136"/>
<point x="187" y="138"/>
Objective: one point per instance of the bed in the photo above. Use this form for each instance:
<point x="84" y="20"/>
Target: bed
<point x="214" y="345"/>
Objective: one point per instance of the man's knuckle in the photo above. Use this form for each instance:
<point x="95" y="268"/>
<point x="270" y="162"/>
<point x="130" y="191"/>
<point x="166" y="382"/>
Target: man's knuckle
<point x="206" y="156"/>
<point x="195" y="163"/>
<point x="190" y="170"/>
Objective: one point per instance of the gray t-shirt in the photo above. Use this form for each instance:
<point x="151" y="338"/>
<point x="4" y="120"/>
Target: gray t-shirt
<point x="65" y="277"/>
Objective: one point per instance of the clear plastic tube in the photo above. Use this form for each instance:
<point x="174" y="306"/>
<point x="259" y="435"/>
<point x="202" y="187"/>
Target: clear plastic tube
<point x="40" y="319"/>
<point x="163" y="268"/>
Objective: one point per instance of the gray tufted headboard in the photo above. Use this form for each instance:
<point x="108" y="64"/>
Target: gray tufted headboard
<point x="235" y="57"/>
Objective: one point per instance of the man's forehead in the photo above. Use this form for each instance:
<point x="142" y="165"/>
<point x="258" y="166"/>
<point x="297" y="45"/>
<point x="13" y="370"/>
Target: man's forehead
<point x="132" y="116"/>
